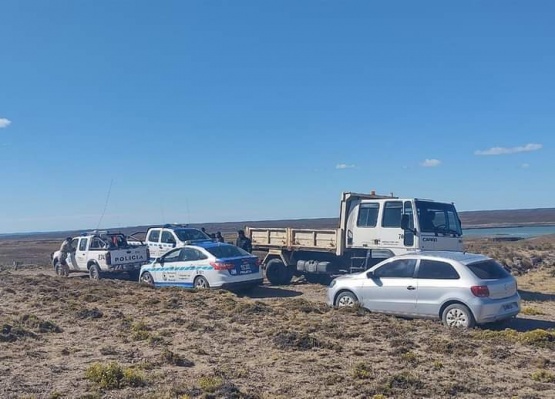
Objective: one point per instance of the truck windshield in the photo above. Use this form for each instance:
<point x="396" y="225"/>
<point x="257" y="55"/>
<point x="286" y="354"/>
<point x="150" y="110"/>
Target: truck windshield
<point x="190" y="235"/>
<point x="434" y="217"/>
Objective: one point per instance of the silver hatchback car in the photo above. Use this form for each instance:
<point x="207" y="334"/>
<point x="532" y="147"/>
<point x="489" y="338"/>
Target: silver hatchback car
<point x="461" y="289"/>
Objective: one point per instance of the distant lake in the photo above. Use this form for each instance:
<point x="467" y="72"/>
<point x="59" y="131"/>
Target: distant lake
<point x="524" y="232"/>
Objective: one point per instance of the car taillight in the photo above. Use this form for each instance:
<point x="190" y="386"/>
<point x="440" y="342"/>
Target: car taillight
<point x="481" y="291"/>
<point x="147" y="253"/>
<point x="221" y="265"/>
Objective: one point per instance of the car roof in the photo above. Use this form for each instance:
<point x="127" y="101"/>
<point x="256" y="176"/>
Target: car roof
<point x="463" y="257"/>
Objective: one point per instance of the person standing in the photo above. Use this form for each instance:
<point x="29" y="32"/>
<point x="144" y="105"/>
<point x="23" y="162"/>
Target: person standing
<point x="219" y="237"/>
<point x="65" y="250"/>
<point x="243" y="241"/>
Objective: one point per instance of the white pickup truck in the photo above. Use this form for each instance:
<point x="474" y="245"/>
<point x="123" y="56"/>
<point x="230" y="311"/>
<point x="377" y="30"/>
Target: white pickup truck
<point x="162" y="239"/>
<point x="103" y="252"/>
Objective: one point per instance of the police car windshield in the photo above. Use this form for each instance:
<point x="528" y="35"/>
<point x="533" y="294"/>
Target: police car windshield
<point x="190" y="235"/>
<point x="227" y="251"/>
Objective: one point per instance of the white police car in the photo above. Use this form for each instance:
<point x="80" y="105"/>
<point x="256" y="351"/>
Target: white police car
<point x="205" y="264"/>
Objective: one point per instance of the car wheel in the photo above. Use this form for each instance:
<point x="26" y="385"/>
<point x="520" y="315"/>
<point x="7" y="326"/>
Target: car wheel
<point x="201" y="283"/>
<point x="458" y="316"/>
<point x="277" y="273"/>
<point x="146" y="279"/>
<point x="94" y="272"/>
<point x="346" y="299"/>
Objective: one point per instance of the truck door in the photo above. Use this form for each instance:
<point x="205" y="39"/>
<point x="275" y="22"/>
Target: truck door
<point x="81" y="254"/>
<point x="153" y="242"/>
<point x="362" y="223"/>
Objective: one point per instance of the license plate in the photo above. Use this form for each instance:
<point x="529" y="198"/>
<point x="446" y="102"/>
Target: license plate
<point x="509" y="306"/>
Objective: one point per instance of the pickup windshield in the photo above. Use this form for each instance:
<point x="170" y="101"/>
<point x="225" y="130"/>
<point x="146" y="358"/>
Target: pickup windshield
<point x="190" y="235"/>
<point x="434" y="217"/>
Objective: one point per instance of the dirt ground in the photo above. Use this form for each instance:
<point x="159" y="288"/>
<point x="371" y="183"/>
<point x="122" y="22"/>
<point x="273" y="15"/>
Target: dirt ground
<point x="75" y="338"/>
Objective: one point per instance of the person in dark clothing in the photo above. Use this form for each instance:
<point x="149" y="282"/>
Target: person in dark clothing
<point x="219" y="237"/>
<point x="243" y="241"/>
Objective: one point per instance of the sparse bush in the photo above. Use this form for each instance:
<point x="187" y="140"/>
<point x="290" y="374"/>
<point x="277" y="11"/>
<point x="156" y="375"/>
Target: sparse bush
<point x="210" y="384"/>
<point x="363" y="371"/>
<point x="35" y="323"/>
<point x="543" y="376"/>
<point x="531" y="311"/>
<point x="140" y="331"/>
<point x="175" y="359"/>
<point x="540" y="338"/>
<point x="299" y="341"/>
<point x="114" y="376"/>
<point x="404" y="380"/>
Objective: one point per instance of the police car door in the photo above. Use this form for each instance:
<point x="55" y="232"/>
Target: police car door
<point x="79" y="260"/>
<point x="72" y="256"/>
<point x="193" y="263"/>
<point x="153" y="242"/>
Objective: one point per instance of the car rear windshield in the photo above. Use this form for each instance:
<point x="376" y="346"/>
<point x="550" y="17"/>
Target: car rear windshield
<point x="227" y="251"/>
<point x="488" y="270"/>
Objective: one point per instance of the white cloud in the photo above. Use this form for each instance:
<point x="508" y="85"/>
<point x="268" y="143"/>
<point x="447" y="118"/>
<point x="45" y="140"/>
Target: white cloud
<point x="4" y="122"/>
<point x="344" y="166"/>
<point x="525" y="166"/>
<point x="509" y="150"/>
<point x="430" y="163"/>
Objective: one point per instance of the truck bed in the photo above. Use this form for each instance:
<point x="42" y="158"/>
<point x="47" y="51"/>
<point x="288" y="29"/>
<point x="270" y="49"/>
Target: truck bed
<point x="291" y="238"/>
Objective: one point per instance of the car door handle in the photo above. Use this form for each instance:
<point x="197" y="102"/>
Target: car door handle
<point x="410" y="288"/>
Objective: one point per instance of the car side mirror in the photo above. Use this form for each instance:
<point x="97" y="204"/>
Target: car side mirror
<point x="159" y="260"/>
<point x="370" y="274"/>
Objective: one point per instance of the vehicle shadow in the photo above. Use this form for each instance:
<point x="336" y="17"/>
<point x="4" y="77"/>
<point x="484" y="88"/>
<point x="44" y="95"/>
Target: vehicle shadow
<point x="536" y="296"/>
<point x="521" y="324"/>
<point x="263" y="291"/>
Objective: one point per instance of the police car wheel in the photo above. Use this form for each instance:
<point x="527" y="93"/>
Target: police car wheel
<point x="146" y="279"/>
<point x="94" y="272"/>
<point x="201" y="283"/>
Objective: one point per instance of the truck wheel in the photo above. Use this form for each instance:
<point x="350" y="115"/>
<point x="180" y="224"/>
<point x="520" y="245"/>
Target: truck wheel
<point x="94" y="272"/>
<point x="277" y="273"/>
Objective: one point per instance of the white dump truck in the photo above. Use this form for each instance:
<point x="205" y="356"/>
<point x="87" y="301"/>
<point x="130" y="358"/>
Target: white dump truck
<point x="103" y="252"/>
<point x="371" y="228"/>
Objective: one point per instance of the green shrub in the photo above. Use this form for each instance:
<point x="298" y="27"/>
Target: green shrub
<point x="114" y="376"/>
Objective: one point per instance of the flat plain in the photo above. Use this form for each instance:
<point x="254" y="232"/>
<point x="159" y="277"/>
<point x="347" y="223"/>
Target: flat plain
<point x="76" y="338"/>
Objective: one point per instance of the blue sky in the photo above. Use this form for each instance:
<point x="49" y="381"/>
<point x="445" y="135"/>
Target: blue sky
<point x="207" y="111"/>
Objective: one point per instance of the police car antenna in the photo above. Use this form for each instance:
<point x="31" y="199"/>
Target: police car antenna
<point x="105" y="203"/>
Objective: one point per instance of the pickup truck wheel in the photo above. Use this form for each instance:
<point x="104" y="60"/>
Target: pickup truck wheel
<point x="60" y="270"/>
<point x="94" y="272"/>
<point x="147" y="279"/>
<point x="277" y="273"/>
<point x="201" y="283"/>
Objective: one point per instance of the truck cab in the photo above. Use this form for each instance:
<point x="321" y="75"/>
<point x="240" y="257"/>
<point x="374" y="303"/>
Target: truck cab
<point x="164" y="238"/>
<point x="398" y="225"/>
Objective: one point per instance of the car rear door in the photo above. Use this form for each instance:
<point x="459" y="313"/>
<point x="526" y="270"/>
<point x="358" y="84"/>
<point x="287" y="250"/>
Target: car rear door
<point x="392" y="288"/>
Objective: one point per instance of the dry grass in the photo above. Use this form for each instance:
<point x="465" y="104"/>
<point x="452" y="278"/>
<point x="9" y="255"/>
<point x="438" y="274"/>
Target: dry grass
<point x="74" y="338"/>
